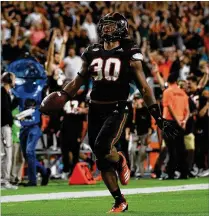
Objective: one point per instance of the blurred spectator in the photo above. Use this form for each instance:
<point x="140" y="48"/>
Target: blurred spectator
<point x="53" y="63"/>
<point x="185" y="67"/>
<point x="164" y="66"/>
<point x="137" y="131"/>
<point x="36" y="34"/>
<point x="5" y="31"/>
<point x="90" y="28"/>
<point x="8" y="82"/>
<point x="72" y="64"/>
<point x="34" y="17"/>
<point x="82" y="41"/>
<point x="58" y="40"/>
<point x="71" y="42"/>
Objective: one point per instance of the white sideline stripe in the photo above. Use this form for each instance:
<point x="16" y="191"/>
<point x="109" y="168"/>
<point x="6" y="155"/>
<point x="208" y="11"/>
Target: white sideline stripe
<point x="101" y="193"/>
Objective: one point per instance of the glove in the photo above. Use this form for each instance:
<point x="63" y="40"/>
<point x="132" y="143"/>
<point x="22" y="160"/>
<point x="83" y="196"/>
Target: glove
<point x="168" y="128"/>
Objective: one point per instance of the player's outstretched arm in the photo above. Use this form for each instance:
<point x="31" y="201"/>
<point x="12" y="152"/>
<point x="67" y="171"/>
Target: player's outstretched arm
<point x="149" y="99"/>
<point x="55" y="101"/>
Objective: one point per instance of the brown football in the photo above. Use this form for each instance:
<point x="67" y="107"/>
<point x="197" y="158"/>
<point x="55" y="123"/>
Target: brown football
<point x="53" y="103"/>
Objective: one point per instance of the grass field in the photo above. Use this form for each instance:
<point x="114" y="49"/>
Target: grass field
<point x="181" y="203"/>
<point x="62" y="186"/>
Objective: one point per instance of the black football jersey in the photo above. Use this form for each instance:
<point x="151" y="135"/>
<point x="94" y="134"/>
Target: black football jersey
<point x="110" y="70"/>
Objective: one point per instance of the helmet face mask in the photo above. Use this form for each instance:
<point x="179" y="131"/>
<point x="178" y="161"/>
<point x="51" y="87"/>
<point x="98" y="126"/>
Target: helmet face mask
<point x="113" y="27"/>
<point x="109" y="28"/>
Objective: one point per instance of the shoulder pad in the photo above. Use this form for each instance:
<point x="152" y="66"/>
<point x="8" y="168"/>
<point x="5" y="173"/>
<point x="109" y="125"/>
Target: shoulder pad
<point x="86" y="53"/>
<point x="95" y="47"/>
<point x="135" y="52"/>
<point x="90" y="49"/>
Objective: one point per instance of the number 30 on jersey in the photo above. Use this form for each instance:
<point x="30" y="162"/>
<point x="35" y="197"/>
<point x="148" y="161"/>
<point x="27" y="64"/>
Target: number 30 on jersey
<point x="108" y="69"/>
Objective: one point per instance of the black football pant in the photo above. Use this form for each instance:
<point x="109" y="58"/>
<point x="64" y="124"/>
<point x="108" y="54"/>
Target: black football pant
<point x="69" y="144"/>
<point x="201" y="150"/>
<point x="105" y="126"/>
<point x="177" y="154"/>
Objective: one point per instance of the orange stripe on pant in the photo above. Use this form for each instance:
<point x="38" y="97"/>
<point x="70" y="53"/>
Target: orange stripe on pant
<point x="120" y="130"/>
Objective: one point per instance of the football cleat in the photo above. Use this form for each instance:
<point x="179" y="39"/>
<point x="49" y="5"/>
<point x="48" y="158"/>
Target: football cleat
<point x="123" y="171"/>
<point x="119" y="206"/>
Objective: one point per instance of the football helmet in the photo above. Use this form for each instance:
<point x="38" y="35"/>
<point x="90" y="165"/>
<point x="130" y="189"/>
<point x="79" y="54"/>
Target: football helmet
<point x="113" y="27"/>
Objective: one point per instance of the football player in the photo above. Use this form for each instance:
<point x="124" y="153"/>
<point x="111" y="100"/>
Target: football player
<point x="112" y="65"/>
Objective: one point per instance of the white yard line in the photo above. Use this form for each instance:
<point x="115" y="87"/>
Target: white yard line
<point x="101" y="193"/>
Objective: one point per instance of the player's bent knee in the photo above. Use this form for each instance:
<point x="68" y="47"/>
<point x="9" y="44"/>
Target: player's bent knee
<point x="101" y="151"/>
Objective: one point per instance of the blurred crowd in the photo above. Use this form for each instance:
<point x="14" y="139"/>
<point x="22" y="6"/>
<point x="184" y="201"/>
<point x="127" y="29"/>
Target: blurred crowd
<point x="174" y="39"/>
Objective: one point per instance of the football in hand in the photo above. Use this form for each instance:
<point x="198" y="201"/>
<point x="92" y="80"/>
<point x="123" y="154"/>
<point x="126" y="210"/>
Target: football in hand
<point x="53" y="103"/>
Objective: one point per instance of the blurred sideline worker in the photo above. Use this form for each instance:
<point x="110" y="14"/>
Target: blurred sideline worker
<point x="176" y="110"/>
<point x="17" y="155"/>
<point x="137" y="131"/>
<point x="189" y="138"/>
<point x="8" y="82"/>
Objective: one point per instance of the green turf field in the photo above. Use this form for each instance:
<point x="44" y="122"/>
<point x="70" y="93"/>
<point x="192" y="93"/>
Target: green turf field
<point x="187" y="203"/>
<point x="62" y="186"/>
<point x="181" y="203"/>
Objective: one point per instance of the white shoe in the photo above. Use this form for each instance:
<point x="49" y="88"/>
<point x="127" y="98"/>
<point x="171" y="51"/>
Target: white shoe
<point x="177" y="174"/>
<point x="204" y="173"/>
<point x="9" y="186"/>
<point x="194" y="171"/>
<point x="64" y="176"/>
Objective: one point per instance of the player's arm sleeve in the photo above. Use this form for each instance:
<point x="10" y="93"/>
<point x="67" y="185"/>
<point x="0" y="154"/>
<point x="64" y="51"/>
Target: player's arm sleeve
<point x="135" y="54"/>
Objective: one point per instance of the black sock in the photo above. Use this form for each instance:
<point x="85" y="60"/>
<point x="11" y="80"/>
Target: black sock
<point x="117" y="194"/>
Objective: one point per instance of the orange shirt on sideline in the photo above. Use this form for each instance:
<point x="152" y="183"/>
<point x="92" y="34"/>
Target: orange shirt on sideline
<point x="177" y="99"/>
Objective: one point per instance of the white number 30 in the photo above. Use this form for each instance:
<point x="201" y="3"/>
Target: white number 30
<point x="102" y="68"/>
